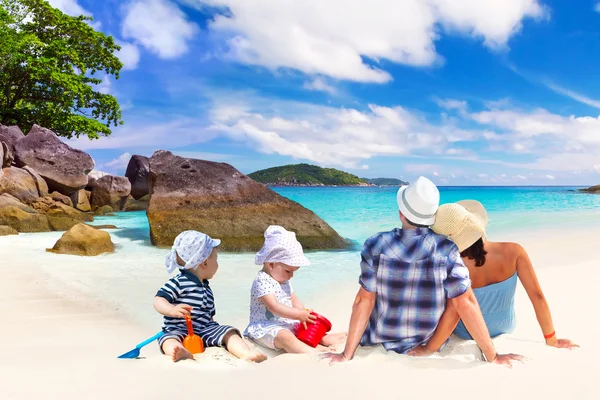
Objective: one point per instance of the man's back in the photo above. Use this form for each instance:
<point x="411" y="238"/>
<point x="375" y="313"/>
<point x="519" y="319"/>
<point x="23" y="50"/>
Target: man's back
<point x="413" y="272"/>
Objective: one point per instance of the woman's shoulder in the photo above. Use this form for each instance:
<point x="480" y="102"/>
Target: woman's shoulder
<point x="510" y="251"/>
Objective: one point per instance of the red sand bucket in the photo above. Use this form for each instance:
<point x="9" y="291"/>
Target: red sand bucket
<point x="313" y="334"/>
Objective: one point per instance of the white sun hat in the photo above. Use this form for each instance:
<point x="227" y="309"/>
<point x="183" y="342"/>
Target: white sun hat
<point x="460" y="225"/>
<point x="419" y="201"/>
<point x="281" y="246"/>
<point x="193" y="248"/>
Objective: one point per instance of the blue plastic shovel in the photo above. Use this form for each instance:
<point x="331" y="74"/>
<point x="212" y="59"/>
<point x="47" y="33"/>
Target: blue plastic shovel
<point x="135" y="353"/>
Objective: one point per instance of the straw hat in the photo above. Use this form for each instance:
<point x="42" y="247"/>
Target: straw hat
<point x="460" y="225"/>
<point x="419" y="201"/>
<point x="477" y="209"/>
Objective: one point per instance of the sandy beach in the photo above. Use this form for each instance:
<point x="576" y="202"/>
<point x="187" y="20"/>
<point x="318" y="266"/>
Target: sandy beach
<point x="67" y="318"/>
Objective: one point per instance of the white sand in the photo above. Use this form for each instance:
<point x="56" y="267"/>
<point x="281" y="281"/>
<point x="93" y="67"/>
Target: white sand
<point x="65" y="319"/>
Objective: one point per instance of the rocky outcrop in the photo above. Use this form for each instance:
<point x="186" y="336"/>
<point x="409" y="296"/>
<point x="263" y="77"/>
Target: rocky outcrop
<point x="137" y="172"/>
<point x="10" y="135"/>
<point x="7" y="230"/>
<point x="81" y="201"/>
<point x="61" y="224"/>
<point x="84" y="240"/>
<point x="5" y="156"/>
<point x="20" y="216"/>
<point x="48" y="206"/>
<point x="63" y="168"/>
<point x="217" y="199"/>
<point x="93" y="177"/>
<point x="104" y="211"/>
<point x="137" y="205"/>
<point x="61" y="198"/>
<point x="111" y="191"/>
<point x="593" y="189"/>
<point x="40" y="183"/>
<point x="20" y="184"/>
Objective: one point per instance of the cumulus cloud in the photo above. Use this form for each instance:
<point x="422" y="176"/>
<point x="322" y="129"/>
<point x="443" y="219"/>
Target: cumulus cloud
<point x="346" y="39"/>
<point x="159" y="26"/>
<point x="119" y="163"/>
<point x="72" y="7"/>
<point x="344" y="137"/>
<point x="129" y="55"/>
<point x="319" y="84"/>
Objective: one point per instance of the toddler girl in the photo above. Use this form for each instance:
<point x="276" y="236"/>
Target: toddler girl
<point x="275" y="311"/>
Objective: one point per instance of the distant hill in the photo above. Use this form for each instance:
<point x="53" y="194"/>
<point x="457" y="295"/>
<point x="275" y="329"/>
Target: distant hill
<point x="385" y="181"/>
<point x="306" y="175"/>
<point x="593" y="189"/>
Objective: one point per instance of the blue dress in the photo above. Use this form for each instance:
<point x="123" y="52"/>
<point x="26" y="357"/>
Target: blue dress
<point x="497" y="303"/>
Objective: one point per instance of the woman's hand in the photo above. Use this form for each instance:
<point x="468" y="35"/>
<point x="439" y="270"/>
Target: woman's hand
<point x="305" y="316"/>
<point x="562" y="344"/>
<point x="180" y="311"/>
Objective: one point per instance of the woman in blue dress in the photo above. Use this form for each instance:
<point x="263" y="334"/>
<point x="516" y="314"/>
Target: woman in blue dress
<point x="494" y="268"/>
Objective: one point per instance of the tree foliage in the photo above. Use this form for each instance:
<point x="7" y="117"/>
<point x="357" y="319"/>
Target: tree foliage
<point x="50" y="66"/>
<point x="305" y="174"/>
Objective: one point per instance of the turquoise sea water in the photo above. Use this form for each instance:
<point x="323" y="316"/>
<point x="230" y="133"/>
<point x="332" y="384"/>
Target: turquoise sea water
<point x="359" y="212"/>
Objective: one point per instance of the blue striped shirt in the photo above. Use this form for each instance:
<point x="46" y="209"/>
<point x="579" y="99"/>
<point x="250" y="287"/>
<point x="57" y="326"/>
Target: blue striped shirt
<point x="413" y="272"/>
<point x="186" y="288"/>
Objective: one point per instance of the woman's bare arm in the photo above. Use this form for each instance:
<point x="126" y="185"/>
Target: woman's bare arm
<point x="530" y="282"/>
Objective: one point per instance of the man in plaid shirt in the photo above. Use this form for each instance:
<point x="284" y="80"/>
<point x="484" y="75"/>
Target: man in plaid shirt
<point x="408" y="278"/>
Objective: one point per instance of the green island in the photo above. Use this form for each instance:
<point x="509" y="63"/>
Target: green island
<point x="312" y="175"/>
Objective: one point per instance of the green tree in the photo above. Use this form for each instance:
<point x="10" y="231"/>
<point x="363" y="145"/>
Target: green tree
<point x="49" y="65"/>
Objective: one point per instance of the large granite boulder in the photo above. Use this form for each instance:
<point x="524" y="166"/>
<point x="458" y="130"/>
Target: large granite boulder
<point x="137" y="172"/>
<point x="21" y="217"/>
<point x="61" y="198"/>
<point x="83" y="240"/>
<point x="52" y="208"/>
<point x="81" y="201"/>
<point x="5" y="156"/>
<point x="111" y="191"/>
<point x="217" y="199"/>
<point x="40" y="183"/>
<point x="93" y="177"/>
<point x="20" y="184"/>
<point x="593" y="189"/>
<point x="137" y="205"/>
<point x="65" y="169"/>
<point x="10" y="135"/>
<point x="6" y="230"/>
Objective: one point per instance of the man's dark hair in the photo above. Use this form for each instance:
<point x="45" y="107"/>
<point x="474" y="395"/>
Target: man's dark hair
<point x="416" y="225"/>
<point x="475" y="252"/>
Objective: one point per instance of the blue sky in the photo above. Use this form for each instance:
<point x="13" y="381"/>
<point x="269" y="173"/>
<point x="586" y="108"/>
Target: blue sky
<point x="465" y="92"/>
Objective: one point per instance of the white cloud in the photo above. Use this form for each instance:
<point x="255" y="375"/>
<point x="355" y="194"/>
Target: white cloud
<point x="155" y="131"/>
<point x="105" y="86"/>
<point x="129" y="55"/>
<point x="332" y="136"/>
<point x="436" y="174"/>
<point x="597" y="166"/>
<point x="574" y="95"/>
<point x="597" y="7"/>
<point x="451" y="104"/>
<point x="69" y="7"/>
<point x="346" y="39"/>
<point x="159" y="26"/>
<point x="319" y="84"/>
<point x="119" y="163"/>
<point x="72" y="7"/>
<point x="551" y="177"/>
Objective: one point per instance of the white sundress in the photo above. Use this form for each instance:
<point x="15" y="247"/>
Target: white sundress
<point x="264" y="325"/>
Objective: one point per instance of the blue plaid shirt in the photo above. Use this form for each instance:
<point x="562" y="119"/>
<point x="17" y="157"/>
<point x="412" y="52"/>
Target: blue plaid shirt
<point x="413" y="272"/>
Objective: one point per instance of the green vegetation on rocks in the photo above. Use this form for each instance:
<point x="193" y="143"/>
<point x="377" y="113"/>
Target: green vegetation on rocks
<point x="306" y="175"/>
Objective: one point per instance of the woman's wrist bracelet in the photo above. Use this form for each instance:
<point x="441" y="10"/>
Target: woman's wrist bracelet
<point x="550" y="336"/>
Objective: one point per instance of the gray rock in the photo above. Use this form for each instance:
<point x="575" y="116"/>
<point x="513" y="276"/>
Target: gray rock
<point x="63" y="168"/>
<point x="137" y="172"/>
<point x="10" y="135"/>
<point x="220" y="201"/>
<point x="111" y="191"/>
